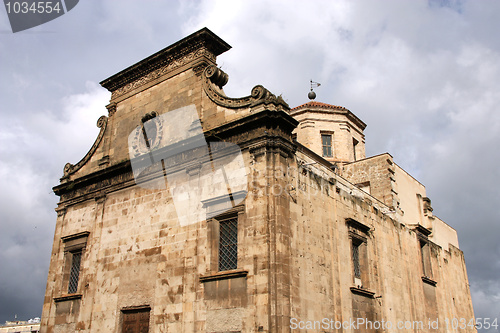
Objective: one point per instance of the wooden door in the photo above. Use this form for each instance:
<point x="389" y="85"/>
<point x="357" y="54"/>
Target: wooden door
<point x="136" y="321"/>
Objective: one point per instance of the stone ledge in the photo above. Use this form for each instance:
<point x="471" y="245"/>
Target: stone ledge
<point x="69" y="297"/>
<point x="362" y="292"/>
<point x="223" y="275"/>
<point x="429" y="281"/>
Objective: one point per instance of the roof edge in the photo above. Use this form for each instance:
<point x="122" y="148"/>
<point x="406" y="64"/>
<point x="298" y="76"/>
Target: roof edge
<point x="314" y="106"/>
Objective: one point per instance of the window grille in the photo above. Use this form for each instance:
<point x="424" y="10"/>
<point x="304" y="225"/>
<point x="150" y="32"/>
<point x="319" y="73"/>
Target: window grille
<point x="354" y="144"/>
<point x="75" y="272"/>
<point x="326" y="140"/>
<point x="228" y="244"/>
<point x="355" y="260"/>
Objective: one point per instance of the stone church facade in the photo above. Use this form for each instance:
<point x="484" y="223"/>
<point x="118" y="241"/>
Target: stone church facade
<point x="197" y="212"/>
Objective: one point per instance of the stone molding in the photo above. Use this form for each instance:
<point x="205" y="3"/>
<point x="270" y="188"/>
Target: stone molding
<point x="69" y="297"/>
<point x="260" y="132"/>
<point x="70" y="168"/>
<point x="357" y="225"/>
<point x="272" y="145"/>
<point x="224" y="275"/>
<point x="362" y="292"/>
<point x="428" y="280"/>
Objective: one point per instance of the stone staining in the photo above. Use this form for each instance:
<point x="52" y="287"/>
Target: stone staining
<point x="303" y="242"/>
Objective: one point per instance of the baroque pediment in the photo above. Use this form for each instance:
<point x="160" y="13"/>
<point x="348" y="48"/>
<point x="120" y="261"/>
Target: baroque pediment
<point x="69" y="168"/>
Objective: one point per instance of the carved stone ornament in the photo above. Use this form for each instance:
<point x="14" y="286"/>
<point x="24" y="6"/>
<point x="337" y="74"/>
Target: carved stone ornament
<point x="70" y="168"/>
<point x="147" y="136"/>
<point x="215" y="78"/>
<point x="198" y="69"/>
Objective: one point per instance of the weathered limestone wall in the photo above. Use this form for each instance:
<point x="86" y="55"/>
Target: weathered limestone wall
<point x="323" y="270"/>
<point x="409" y="190"/>
<point x="378" y="171"/>
<point x="443" y="234"/>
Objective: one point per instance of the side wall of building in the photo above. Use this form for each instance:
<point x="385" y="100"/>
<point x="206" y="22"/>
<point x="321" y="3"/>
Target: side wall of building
<point x="394" y="286"/>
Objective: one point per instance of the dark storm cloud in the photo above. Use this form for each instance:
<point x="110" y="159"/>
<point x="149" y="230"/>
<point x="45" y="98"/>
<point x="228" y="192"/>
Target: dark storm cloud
<point x="423" y="75"/>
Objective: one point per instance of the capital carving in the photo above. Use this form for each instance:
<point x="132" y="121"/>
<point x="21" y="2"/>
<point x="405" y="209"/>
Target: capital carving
<point x="61" y="211"/>
<point x="111" y="109"/>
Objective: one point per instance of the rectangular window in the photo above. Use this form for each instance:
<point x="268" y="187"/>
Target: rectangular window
<point x="74" y="248"/>
<point x="326" y="141"/>
<point x="75" y="272"/>
<point x="354" y="144"/>
<point x="228" y="244"/>
<point x="355" y="258"/>
<point x="136" y="321"/>
<point x="358" y="241"/>
<point x="425" y="258"/>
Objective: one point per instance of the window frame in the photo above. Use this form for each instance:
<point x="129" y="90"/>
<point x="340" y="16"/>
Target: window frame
<point x="136" y="310"/>
<point x="75" y="268"/>
<point x="323" y="145"/>
<point x="425" y="253"/>
<point x="74" y="247"/>
<point x="214" y="238"/>
<point x="356" y="244"/>
<point x="358" y="239"/>
<point x="225" y="252"/>
<point x="425" y="257"/>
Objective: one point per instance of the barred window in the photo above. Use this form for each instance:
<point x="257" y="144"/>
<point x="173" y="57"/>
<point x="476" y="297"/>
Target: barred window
<point x="74" y="247"/>
<point x="355" y="258"/>
<point x="75" y="272"/>
<point x="228" y="244"/>
<point x="326" y="141"/>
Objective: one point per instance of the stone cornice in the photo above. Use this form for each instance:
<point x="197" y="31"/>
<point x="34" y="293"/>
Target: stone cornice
<point x="265" y="130"/>
<point x="339" y="110"/>
<point x="201" y="43"/>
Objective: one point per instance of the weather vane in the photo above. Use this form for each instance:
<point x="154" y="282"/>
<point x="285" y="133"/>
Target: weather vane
<point x="312" y="94"/>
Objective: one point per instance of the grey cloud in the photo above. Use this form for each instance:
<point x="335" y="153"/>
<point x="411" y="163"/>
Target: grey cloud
<point x="424" y="77"/>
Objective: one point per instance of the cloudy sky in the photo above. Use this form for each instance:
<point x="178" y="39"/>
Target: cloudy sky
<point x="424" y="76"/>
